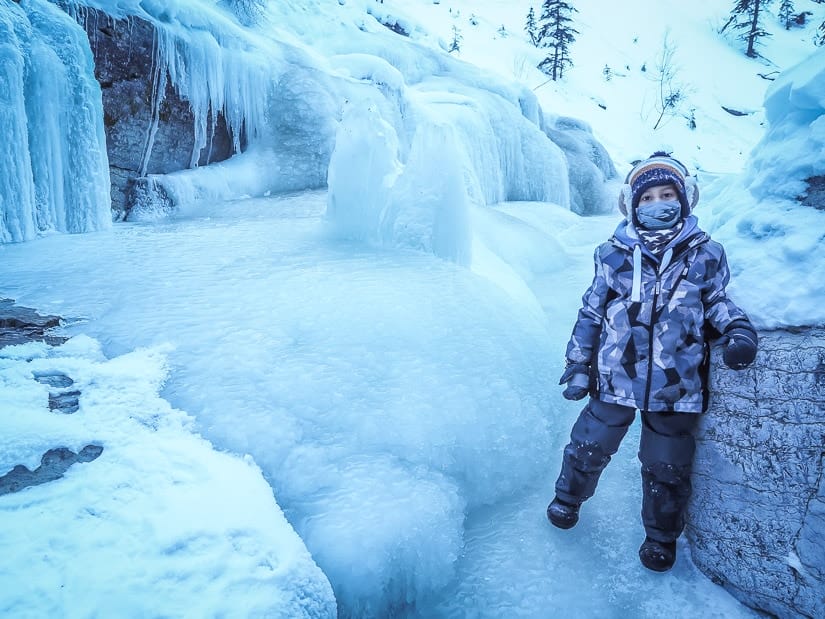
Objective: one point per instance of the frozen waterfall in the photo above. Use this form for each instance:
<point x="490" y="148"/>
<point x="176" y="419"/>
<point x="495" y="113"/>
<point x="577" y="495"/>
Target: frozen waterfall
<point x="54" y="173"/>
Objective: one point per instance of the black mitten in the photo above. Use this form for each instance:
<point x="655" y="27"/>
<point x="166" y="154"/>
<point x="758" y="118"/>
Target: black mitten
<point x="741" y="349"/>
<point x="577" y="377"/>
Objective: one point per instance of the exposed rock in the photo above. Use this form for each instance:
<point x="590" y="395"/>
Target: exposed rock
<point x="22" y="324"/>
<point x="63" y="401"/>
<point x="141" y="138"/>
<point x="53" y="465"/>
<point x="756" y="521"/>
<point x="54" y="380"/>
<point x="815" y="194"/>
<point x="734" y="112"/>
<point x="66" y="402"/>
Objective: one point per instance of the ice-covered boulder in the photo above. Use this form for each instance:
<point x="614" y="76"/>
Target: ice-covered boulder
<point x="588" y="162"/>
<point x="757" y="515"/>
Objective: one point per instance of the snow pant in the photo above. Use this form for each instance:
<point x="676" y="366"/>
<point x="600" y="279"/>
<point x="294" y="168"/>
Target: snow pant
<point x="665" y="450"/>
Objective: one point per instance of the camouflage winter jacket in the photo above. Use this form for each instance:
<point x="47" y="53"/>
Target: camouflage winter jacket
<point x="642" y="325"/>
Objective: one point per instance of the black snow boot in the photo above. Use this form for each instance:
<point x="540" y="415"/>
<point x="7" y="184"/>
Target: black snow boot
<point x="562" y="514"/>
<point x="657" y="556"/>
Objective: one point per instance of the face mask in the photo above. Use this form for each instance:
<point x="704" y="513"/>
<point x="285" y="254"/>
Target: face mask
<point x="659" y="215"/>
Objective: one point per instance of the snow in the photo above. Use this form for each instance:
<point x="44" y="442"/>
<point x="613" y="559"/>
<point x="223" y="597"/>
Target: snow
<point x="160" y="522"/>
<point x="350" y="389"/>
<point x="757" y="215"/>
<point x="792" y="149"/>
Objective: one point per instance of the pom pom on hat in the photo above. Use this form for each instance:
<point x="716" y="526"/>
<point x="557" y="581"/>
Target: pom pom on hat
<point x="658" y="169"/>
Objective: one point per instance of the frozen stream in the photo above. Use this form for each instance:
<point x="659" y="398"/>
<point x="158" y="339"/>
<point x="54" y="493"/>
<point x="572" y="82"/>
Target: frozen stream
<point x="385" y="394"/>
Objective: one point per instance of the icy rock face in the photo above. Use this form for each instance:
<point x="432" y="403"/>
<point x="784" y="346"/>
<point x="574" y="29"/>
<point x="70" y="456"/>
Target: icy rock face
<point x="815" y="194"/>
<point x="147" y="132"/>
<point x="756" y="520"/>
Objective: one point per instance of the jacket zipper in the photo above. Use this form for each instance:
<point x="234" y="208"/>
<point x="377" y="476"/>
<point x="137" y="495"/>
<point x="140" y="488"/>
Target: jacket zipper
<point x="656" y="290"/>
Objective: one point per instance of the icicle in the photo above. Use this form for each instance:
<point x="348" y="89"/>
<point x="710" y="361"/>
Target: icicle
<point x="57" y="177"/>
<point x="158" y="93"/>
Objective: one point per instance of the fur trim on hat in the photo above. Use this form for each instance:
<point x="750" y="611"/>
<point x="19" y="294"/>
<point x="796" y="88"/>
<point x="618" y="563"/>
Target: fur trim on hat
<point x="691" y="191"/>
<point x="625" y="198"/>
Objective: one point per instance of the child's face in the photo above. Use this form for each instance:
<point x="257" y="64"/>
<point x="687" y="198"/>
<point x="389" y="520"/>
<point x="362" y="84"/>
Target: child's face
<point x="659" y="193"/>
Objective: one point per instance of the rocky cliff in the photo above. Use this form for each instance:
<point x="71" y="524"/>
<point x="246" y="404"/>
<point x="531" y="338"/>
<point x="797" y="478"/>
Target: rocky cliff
<point x="149" y="127"/>
<point x="756" y="521"/>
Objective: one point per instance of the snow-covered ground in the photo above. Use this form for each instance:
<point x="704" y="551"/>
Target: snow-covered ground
<point x="389" y="365"/>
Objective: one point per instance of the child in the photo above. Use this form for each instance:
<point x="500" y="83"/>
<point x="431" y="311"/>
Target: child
<point x="640" y="343"/>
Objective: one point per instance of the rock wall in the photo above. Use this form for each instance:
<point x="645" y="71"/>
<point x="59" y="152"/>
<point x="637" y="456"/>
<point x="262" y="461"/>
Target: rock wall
<point x="145" y="134"/>
<point x="756" y="522"/>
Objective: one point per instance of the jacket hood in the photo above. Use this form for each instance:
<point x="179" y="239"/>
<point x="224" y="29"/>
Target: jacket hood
<point x="627" y="236"/>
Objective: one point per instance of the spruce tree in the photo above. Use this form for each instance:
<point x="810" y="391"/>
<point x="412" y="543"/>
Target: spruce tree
<point x="787" y="12"/>
<point x="530" y="27"/>
<point x="745" y="17"/>
<point x="455" y="45"/>
<point x="556" y="34"/>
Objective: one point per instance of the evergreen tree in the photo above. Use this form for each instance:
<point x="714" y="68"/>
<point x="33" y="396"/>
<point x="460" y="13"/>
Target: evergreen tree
<point x="787" y="13"/>
<point x="691" y="119"/>
<point x="455" y="45"/>
<point x="745" y="17"/>
<point x="530" y="27"/>
<point x="556" y="34"/>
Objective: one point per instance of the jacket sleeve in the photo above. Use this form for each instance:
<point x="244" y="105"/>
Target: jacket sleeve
<point x="588" y="326"/>
<point x="720" y="311"/>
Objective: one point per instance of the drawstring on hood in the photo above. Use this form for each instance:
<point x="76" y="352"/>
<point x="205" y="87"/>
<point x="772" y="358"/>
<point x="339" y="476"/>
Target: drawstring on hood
<point x="627" y="235"/>
<point x="666" y="260"/>
<point x="636" y="290"/>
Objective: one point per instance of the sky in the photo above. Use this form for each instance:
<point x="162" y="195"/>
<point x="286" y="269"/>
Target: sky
<point x="311" y="402"/>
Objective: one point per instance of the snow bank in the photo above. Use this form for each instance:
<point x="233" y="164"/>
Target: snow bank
<point x="793" y="149"/>
<point x="160" y="524"/>
<point x="774" y="242"/>
<point x="774" y="251"/>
